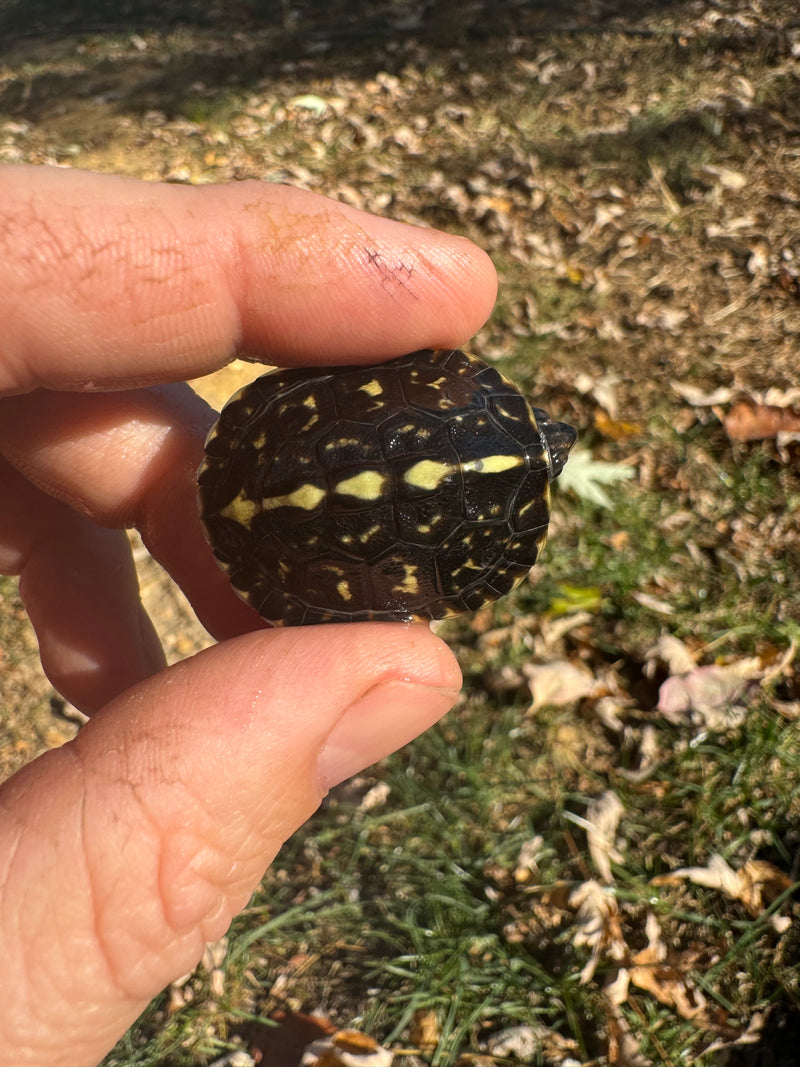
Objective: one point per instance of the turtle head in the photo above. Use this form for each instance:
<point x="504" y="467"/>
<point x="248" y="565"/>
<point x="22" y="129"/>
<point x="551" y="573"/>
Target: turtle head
<point x="558" y="439"/>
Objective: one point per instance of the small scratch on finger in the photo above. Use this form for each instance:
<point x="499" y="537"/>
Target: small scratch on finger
<point x="395" y="278"/>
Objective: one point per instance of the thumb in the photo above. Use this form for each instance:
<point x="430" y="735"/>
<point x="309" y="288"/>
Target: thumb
<point x="126" y="850"/>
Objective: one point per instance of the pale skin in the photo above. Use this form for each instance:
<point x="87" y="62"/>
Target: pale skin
<point x="125" y="851"/>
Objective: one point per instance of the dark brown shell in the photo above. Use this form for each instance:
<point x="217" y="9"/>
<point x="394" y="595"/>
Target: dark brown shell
<point x="415" y="489"/>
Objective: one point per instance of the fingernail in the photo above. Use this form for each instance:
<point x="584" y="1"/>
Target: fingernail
<point x="383" y="720"/>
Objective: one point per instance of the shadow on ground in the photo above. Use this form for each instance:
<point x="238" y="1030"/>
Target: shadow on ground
<point x="237" y="45"/>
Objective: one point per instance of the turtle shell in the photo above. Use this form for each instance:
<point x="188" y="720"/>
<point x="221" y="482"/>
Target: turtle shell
<point x="415" y="489"/>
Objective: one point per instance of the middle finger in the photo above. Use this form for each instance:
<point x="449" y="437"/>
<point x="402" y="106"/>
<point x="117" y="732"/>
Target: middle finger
<point x="130" y="459"/>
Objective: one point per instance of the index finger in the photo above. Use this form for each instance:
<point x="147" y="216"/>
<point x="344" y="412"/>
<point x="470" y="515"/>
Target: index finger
<point x="111" y="283"/>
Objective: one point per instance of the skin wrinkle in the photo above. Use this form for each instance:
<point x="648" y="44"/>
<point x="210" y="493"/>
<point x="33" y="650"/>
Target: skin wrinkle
<point x="123" y="274"/>
<point x="120" y="973"/>
<point x="41" y="996"/>
<point x="195" y="834"/>
<point x="74" y="753"/>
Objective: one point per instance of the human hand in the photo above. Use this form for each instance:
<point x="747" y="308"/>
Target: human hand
<point x="123" y="852"/>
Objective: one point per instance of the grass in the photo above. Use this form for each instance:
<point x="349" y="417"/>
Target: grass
<point x="585" y="163"/>
<point x="415" y="908"/>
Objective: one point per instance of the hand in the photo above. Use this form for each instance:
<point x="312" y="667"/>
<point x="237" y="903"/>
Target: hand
<point x="126" y="850"/>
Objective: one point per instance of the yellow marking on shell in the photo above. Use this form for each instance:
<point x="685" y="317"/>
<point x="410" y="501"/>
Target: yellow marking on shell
<point x="342" y="442"/>
<point x="536" y="501"/>
<point x="408" y="583"/>
<point x="366" y="485"/>
<point x="372" y="388"/>
<point x="307" y="497"/>
<point x="259" y="442"/>
<point x="311" y="421"/>
<point x="493" y="464"/>
<point x="368" y="534"/>
<point x="241" y="509"/>
<point x="343" y="589"/>
<point x="427" y="474"/>
<point x="310" y="402"/>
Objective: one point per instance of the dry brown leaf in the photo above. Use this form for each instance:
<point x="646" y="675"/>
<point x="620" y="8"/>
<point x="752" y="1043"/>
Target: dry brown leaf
<point x="708" y="694"/>
<point x="727" y="178"/>
<point x="552" y="630"/>
<point x="678" y="657"/>
<point x="602" y="819"/>
<point x="426" y="1031"/>
<point x="656" y="317"/>
<point x="524" y="1043"/>
<point x="615" y="429"/>
<point x="755" y="885"/>
<point x="603" y="390"/>
<point x="597" y="925"/>
<point x="557" y="683"/>
<point x="623" y="1047"/>
<point x="752" y="1036"/>
<point x="699" y="398"/>
<point x="653" y="603"/>
<point x="651" y="972"/>
<point x="747" y="421"/>
<point x="346" y="1048"/>
<point x="760" y="883"/>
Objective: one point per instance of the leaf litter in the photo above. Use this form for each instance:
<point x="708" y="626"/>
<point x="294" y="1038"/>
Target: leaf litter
<point x="645" y="232"/>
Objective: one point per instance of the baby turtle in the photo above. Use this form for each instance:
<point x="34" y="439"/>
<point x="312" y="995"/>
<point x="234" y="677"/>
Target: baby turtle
<point x="415" y="489"/>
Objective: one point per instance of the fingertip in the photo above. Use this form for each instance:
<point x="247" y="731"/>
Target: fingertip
<point x="381" y="722"/>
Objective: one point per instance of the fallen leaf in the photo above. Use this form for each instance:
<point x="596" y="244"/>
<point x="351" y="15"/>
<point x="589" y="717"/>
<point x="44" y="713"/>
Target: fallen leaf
<point x="756" y="885"/>
<point x="651" y="972"/>
<point x="615" y="429"/>
<point x="727" y="178"/>
<point x="572" y="598"/>
<point x="760" y="883"/>
<point x="747" y="421"/>
<point x="375" y="797"/>
<point x="347" y="1048"/>
<point x="310" y="102"/>
<point x="671" y="651"/>
<point x="557" y="683"/>
<point x="699" y="398"/>
<point x="623" y="1047"/>
<point x="597" y="925"/>
<point x="653" y="603"/>
<point x="753" y="1035"/>
<point x="426" y="1031"/>
<point x="709" y="694"/>
<point x="656" y="317"/>
<point x="602" y="820"/>
<point x="524" y="1044"/>
<point x="586" y="477"/>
